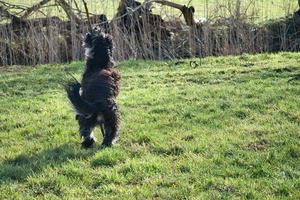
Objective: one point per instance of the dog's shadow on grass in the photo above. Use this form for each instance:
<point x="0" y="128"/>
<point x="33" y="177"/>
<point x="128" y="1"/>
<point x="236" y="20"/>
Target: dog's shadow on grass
<point x="24" y="165"/>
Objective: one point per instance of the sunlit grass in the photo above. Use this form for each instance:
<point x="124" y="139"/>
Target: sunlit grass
<point x="226" y="129"/>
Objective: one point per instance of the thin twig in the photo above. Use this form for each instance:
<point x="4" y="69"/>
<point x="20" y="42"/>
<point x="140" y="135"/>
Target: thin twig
<point x="35" y="7"/>
<point x="78" y="9"/>
<point x="87" y="15"/>
<point x="69" y="11"/>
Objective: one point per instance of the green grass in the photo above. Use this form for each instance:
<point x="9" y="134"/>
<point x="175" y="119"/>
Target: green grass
<point x="264" y="9"/>
<point x="226" y="129"/>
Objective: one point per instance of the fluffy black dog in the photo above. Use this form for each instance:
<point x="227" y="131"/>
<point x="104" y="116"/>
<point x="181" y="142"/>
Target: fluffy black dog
<point x="96" y="103"/>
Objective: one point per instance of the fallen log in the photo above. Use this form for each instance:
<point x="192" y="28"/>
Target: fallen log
<point x="188" y="12"/>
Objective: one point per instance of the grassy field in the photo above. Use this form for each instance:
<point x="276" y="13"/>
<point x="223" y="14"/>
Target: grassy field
<point x="264" y="9"/>
<point x="226" y="129"/>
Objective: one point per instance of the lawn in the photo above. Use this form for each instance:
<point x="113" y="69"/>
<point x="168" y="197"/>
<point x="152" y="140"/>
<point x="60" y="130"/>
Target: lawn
<point x="264" y="9"/>
<point x="228" y="128"/>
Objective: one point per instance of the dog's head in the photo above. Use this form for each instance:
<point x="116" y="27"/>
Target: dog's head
<point x="98" y="46"/>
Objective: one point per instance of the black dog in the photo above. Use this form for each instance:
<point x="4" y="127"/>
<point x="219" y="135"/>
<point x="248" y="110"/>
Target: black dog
<point x="96" y="104"/>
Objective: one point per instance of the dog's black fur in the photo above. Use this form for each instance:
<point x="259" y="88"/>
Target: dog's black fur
<point x="96" y="105"/>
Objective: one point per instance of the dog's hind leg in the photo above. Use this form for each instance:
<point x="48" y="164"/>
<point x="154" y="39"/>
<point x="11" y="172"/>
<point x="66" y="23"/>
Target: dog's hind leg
<point x="86" y="127"/>
<point x="111" y="125"/>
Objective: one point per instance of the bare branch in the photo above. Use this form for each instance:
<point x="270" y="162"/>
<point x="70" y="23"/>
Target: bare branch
<point x="78" y="9"/>
<point x="4" y="13"/>
<point x="87" y="14"/>
<point x="13" y="6"/>
<point x="188" y="12"/>
<point x="69" y="11"/>
<point x="34" y="8"/>
<point x="168" y="3"/>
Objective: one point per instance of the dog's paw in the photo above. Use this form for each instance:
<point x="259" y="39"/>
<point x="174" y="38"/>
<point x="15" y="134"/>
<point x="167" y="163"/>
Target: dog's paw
<point x="88" y="142"/>
<point x="106" y="144"/>
<point x="109" y="143"/>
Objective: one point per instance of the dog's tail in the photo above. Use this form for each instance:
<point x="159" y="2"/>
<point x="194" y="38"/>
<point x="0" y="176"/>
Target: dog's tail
<point x="81" y="106"/>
